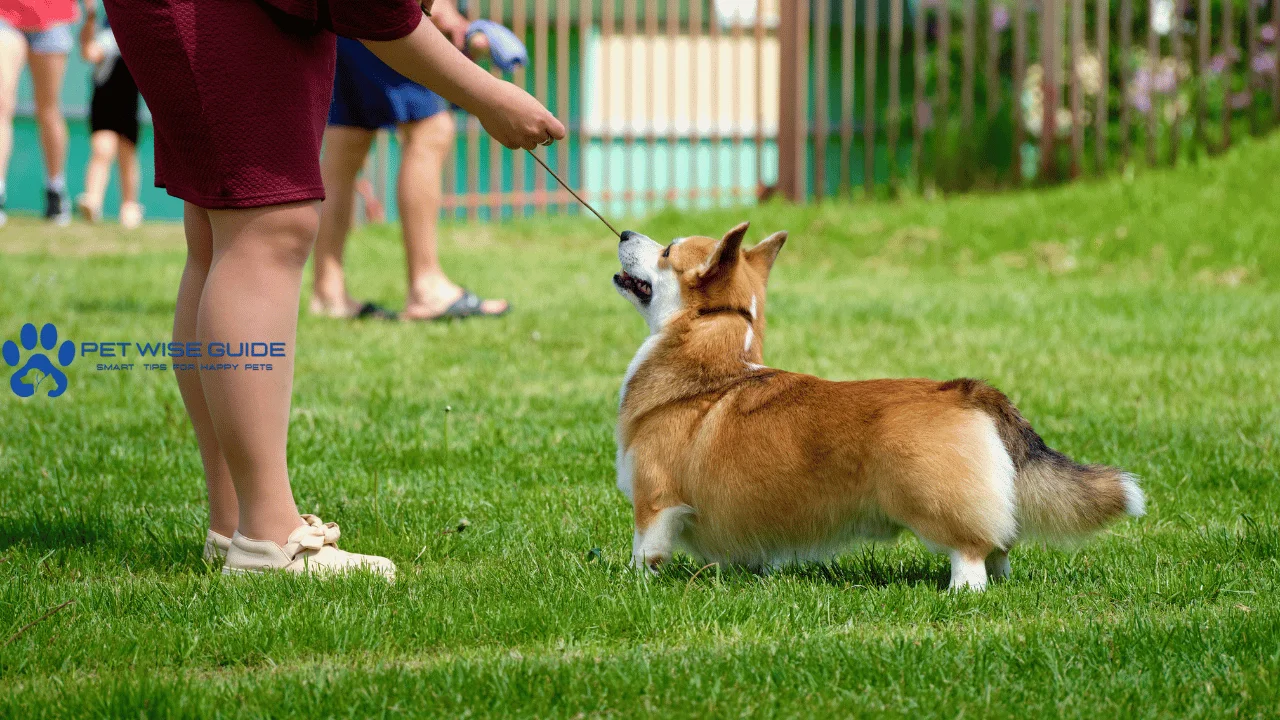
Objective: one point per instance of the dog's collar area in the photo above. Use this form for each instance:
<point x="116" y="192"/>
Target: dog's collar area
<point x="722" y="309"/>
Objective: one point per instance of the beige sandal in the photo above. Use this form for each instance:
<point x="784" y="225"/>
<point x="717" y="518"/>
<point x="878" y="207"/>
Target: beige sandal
<point x="312" y="548"/>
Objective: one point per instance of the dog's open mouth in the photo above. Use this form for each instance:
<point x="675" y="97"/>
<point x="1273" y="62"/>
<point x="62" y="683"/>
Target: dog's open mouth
<point x="635" y="286"/>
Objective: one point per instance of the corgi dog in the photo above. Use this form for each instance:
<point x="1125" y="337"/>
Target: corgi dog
<point x="736" y="462"/>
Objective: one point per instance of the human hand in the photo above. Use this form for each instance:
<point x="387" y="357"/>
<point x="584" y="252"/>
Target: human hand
<point x="450" y="22"/>
<point x="514" y="118"/>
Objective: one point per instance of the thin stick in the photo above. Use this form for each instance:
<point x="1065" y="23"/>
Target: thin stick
<point x="48" y="614"/>
<point x="577" y="197"/>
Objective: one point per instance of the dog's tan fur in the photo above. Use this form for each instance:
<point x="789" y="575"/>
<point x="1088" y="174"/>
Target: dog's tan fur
<point x="741" y="463"/>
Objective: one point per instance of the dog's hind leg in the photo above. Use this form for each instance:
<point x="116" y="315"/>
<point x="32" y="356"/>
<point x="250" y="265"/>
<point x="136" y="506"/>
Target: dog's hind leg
<point x="968" y="572"/>
<point x="653" y="544"/>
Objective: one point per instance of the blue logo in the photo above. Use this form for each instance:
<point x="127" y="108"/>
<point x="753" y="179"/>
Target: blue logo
<point x="38" y="367"/>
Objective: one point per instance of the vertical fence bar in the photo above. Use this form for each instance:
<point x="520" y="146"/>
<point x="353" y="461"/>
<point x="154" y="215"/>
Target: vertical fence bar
<point x="519" y="25"/>
<point x="606" y="61"/>
<point x="562" y="98"/>
<point x="1103" y="20"/>
<point x="1153" y="103"/>
<point x="736" y="96"/>
<point x="585" y="12"/>
<point x="917" y="94"/>
<point x="894" y="125"/>
<point x="1019" y="80"/>
<point x="695" y="108"/>
<point x="1179" y="57"/>
<point x="1275" y="73"/>
<point x="1077" y="94"/>
<point x="1204" y="20"/>
<point x="496" y="193"/>
<point x="1251" y="82"/>
<point x="673" y="140"/>
<point x="541" y="19"/>
<point x="759" y="139"/>
<point x="847" y="65"/>
<point x="473" y="146"/>
<point x="821" y="128"/>
<point x="717" y="139"/>
<point x="792" y="108"/>
<point x="1228" y="45"/>
<point x="869" y="106"/>
<point x="992" y="61"/>
<point x="943" y="87"/>
<point x="968" y="67"/>
<point x="650" y="136"/>
<point x="1050" y="45"/>
<point x="1126" y="59"/>
<point x="628" y="103"/>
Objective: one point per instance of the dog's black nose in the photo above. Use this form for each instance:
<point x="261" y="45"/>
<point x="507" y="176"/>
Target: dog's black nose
<point x="627" y="235"/>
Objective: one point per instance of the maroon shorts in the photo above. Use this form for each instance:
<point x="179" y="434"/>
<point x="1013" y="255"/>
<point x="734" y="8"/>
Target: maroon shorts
<point x="238" y="92"/>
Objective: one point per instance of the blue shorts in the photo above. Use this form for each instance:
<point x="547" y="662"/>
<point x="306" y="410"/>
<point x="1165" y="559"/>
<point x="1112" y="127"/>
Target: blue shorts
<point x="55" y="40"/>
<point x="368" y="94"/>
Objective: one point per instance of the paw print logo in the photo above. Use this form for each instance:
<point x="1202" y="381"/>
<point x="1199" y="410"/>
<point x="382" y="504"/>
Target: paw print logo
<point x="38" y="367"/>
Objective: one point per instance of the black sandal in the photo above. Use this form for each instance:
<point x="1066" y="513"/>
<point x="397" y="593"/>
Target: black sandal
<point x="373" y="311"/>
<point x="469" y="305"/>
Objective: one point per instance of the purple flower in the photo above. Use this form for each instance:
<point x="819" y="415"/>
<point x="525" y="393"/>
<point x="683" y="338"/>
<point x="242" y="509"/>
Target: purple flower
<point x="1264" y="63"/>
<point x="1241" y="100"/>
<point x="1165" y="79"/>
<point x="999" y="18"/>
<point x="1218" y="64"/>
<point x="1267" y="34"/>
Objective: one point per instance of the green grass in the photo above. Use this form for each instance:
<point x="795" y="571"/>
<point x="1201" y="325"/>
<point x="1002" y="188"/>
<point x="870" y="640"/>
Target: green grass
<point x="1135" y="323"/>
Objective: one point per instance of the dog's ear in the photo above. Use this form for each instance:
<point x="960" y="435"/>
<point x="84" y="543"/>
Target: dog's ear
<point x="724" y="256"/>
<point x="765" y="252"/>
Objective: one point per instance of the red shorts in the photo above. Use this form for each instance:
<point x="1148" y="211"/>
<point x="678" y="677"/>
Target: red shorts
<point x="238" y="93"/>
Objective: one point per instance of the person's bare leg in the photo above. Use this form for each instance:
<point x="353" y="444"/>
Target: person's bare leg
<point x="130" y="172"/>
<point x="47" y="72"/>
<point x="13" y="54"/>
<point x="251" y="295"/>
<point x="345" y="150"/>
<point x="223" y="511"/>
<point x="130" y="184"/>
<point x="419" y="189"/>
<point x="103" y="147"/>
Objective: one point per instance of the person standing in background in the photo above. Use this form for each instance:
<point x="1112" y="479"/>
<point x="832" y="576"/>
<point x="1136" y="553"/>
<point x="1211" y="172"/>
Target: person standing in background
<point x="367" y="96"/>
<point x="113" y="124"/>
<point x="37" y="32"/>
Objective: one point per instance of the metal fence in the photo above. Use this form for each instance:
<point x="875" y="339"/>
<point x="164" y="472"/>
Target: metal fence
<point x="700" y="103"/>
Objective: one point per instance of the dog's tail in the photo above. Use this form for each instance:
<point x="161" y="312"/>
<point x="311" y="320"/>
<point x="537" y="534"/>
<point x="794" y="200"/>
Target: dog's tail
<point x="1056" y="497"/>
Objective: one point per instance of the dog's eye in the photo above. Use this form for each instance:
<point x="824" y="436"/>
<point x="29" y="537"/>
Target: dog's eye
<point x="666" y="252"/>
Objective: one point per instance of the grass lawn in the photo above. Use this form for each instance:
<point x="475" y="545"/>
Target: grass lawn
<point x="1135" y="323"/>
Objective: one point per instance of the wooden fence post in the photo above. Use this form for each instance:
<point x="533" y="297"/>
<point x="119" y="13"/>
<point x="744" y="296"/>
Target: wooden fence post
<point x="792" y="104"/>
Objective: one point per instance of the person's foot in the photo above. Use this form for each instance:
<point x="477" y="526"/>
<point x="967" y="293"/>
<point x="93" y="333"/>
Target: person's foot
<point x="57" y="209"/>
<point x="130" y="215"/>
<point x="89" y="210"/>
<point x="215" y="547"/>
<point x="312" y="548"/>
<point x="345" y="307"/>
<point x="432" y="300"/>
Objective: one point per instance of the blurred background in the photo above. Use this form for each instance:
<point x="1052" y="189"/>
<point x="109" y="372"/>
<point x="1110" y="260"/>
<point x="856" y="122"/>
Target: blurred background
<point x="704" y="103"/>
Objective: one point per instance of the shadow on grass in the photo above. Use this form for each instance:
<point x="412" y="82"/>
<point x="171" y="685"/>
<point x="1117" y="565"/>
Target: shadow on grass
<point x="141" y="541"/>
<point x="860" y="569"/>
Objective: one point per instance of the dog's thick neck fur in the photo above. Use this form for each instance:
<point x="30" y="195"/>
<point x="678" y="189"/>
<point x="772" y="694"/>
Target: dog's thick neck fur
<point x="713" y="343"/>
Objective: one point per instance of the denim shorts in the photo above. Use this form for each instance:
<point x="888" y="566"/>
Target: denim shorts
<point x="55" y="40"/>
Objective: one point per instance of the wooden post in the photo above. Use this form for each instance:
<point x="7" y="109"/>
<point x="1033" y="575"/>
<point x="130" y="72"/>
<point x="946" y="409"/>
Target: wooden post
<point x="1077" y="94"/>
<point x="847" y="65"/>
<point x="821" y="77"/>
<point x="1050" y="63"/>
<point x="894" y="125"/>
<point x="792" y="105"/>
<point x="1103" y="19"/>
<point x="1019" y="79"/>
<point x="1126" y="54"/>
<point x="869" y="104"/>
